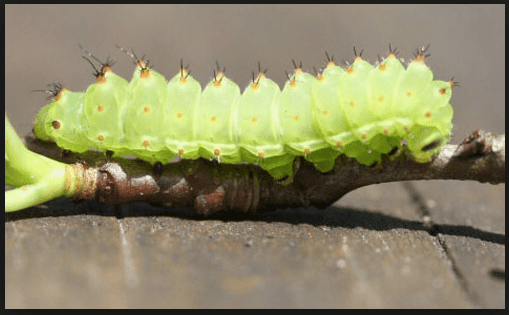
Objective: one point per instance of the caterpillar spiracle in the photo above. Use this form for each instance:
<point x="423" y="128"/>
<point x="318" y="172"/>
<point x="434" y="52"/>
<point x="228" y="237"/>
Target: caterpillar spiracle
<point x="362" y="111"/>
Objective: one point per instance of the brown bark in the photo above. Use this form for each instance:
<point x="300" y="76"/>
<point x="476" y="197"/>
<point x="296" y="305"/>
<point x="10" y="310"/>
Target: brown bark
<point x="210" y="187"/>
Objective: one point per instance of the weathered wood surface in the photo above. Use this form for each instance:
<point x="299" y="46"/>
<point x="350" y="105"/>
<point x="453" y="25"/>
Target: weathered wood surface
<point x="371" y="249"/>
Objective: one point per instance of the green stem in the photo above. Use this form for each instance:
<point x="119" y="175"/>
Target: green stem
<point x="38" y="178"/>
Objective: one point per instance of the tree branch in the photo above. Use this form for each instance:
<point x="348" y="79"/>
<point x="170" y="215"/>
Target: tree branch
<point x="210" y="187"/>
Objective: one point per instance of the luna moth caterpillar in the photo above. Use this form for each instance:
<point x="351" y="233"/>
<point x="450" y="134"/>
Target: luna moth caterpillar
<point x="362" y="111"/>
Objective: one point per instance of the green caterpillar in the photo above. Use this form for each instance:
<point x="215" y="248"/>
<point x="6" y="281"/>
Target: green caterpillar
<point x="362" y="111"/>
